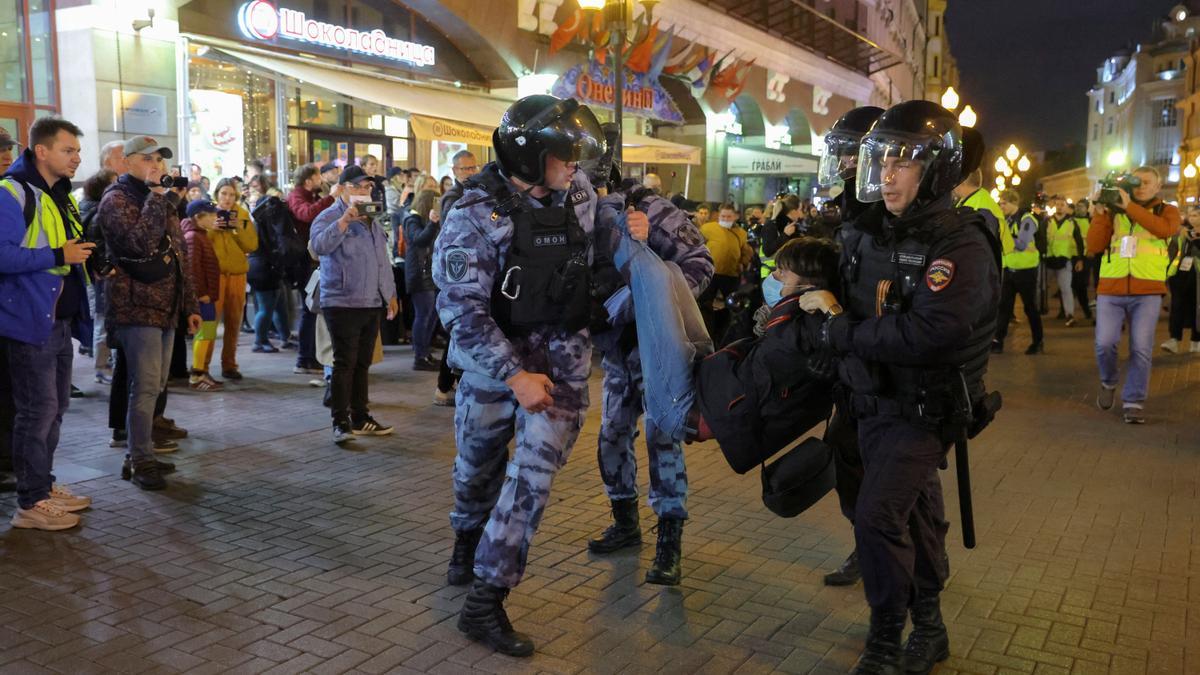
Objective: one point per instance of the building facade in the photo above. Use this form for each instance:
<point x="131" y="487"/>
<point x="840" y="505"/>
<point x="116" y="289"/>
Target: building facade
<point x="29" y="84"/>
<point x="941" y="70"/>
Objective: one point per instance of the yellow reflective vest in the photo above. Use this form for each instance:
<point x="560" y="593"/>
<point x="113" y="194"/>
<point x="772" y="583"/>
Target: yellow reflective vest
<point x="1021" y="260"/>
<point x="47" y="228"/>
<point x="983" y="201"/>
<point x="1149" y="261"/>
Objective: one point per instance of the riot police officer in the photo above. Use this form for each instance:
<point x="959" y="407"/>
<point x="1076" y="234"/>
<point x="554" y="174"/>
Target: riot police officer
<point x="839" y="168"/>
<point x="513" y="263"/>
<point x="674" y="238"/>
<point x="922" y="283"/>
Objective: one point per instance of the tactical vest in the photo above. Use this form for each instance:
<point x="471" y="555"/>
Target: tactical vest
<point x="546" y="278"/>
<point x="44" y="226"/>
<point x="1150" y="260"/>
<point x="881" y="278"/>
<point x="1020" y="260"/>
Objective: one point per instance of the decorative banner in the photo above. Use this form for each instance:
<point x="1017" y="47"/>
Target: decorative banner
<point x="261" y="20"/>
<point x="749" y="162"/>
<point x="434" y="129"/>
<point x="217" y="141"/>
<point x="138" y="113"/>
<point x="593" y="84"/>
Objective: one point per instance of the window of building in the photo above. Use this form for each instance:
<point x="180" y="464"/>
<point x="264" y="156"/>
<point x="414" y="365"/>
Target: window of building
<point x="1095" y="131"/>
<point x="28" y="63"/>
<point x="1166" y="114"/>
<point x="1110" y="127"/>
<point x="1112" y="96"/>
<point x="937" y="71"/>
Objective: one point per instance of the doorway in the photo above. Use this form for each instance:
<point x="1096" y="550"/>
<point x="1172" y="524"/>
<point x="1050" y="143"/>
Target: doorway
<point x="16" y="120"/>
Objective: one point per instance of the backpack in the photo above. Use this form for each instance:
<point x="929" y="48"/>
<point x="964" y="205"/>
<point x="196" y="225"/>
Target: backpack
<point x="286" y="251"/>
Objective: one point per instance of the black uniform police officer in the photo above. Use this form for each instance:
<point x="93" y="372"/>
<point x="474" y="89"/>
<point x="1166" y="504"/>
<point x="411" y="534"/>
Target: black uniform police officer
<point x="922" y="283"/>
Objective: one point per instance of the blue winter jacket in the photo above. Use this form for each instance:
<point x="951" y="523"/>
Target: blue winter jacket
<point x="356" y="269"/>
<point x="28" y="291"/>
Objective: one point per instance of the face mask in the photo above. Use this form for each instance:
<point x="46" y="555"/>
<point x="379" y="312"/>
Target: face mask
<point x="772" y="290"/>
<point x="725" y="223"/>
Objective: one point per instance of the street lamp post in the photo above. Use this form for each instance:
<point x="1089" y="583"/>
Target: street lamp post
<point x="616" y="14"/>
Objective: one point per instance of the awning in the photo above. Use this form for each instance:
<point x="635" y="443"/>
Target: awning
<point x="462" y="117"/>
<point x="637" y="149"/>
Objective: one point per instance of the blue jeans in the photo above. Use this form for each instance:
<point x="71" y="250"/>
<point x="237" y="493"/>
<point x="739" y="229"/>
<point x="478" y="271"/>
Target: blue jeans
<point x="147" y="351"/>
<point x="41" y="392"/>
<point x="1141" y="312"/>
<point x="268" y="305"/>
<point x="670" y="332"/>
<point x="424" y="321"/>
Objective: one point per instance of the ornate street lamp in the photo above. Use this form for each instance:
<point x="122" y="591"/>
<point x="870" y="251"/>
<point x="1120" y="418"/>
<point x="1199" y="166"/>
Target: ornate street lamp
<point x="1012" y="153"/>
<point x="950" y="99"/>
<point x="1023" y="164"/>
<point x="967" y="117"/>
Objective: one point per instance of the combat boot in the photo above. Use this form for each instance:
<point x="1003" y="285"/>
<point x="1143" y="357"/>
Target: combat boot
<point x="846" y="575"/>
<point x="928" y="642"/>
<point x="483" y="619"/>
<point x="882" y="653"/>
<point x="625" y="530"/>
<point x="462" y="559"/>
<point x="665" y="571"/>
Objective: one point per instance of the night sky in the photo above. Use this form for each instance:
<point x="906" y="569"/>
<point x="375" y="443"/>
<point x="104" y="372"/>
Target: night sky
<point x="1026" y="65"/>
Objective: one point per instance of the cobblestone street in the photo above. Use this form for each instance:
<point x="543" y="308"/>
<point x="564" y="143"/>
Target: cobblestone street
<point x="275" y="551"/>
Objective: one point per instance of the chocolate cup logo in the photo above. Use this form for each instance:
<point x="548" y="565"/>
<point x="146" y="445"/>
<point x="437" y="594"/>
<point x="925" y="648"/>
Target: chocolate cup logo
<point x="259" y="19"/>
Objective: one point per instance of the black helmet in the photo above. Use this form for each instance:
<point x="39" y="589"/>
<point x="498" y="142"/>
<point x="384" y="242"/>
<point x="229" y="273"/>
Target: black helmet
<point x="841" y="144"/>
<point x="973" y="150"/>
<point x="539" y="126"/>
<point x="913" y="131"/>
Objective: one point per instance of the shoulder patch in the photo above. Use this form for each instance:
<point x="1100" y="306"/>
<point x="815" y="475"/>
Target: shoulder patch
<point x="578" y="196"/>
<point x="460" y="265"/>
<point x="939" y="275"/>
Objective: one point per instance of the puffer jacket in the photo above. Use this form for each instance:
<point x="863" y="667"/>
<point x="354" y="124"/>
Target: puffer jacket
<point x="419" y="235"/>
<point x="203" y="266"/>
<point x="232" y="246"/>
<point x="133" y="220"/>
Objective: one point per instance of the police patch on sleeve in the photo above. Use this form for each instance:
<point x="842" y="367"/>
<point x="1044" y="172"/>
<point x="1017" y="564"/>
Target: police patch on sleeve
<point x="460" y="266"/>
<point x="939" y="275"/>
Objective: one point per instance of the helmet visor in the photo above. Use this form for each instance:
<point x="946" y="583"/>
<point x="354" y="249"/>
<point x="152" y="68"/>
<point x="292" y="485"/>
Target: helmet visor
<point x="891" y="167"/>
<point x="838" y="161"/>
<point x="575" y="136"/>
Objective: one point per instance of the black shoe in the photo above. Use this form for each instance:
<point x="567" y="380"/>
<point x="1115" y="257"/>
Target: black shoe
<point x="882" y="654"/>
<point x="928" y="642"/>
<point x="148" y="476"/>
<point x="846" y="575"/>
<point x="369" y="426"/>
<point x="997" y="347"/>
<point x="76" y="392"/>
<point x="426" y="364"/>
<point x="127" y="468"/>
<point x="624" y="532"/>
<point x="342" y="433"/>
<point x="232" y="374"/>
<point x="665" y="570"/>
<point x="462" y="560"/>
<point x="483" y="619"/>
<point x="1036" y="348"/>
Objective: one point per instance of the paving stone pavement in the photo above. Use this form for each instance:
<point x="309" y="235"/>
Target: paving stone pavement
<point x="275" y="551"/>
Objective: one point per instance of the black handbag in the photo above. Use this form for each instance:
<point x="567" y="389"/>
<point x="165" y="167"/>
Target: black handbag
<point x="799" y="479"/>
<point x="154" y="267"/>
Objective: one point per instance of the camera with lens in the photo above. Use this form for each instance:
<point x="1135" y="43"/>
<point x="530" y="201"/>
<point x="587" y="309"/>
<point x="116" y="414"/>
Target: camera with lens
<point x="178" y="183"/>
<point x="1110" y="184"/>
<point x="164" y="181"/>
<point x="369" y="209"/>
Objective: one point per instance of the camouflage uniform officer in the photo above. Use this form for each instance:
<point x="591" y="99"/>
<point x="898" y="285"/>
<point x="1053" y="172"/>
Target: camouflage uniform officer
<point x="513" y="261"/>
<point x="674" y="238"/>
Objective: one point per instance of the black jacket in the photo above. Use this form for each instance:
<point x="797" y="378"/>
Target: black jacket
<point x="419" y="235"/>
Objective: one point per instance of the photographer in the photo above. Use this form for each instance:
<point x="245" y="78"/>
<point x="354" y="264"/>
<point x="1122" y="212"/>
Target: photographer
<point x="43" y="286"/>
<point x="1185" y="276"/>
<point x="1132" y="231"/>
<point x="234" y="238"/>
<point x="356" y="283"/>
<point x="148" y="292"/>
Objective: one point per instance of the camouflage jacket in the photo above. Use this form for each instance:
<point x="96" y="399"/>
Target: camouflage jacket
<point x="469" y="255"/>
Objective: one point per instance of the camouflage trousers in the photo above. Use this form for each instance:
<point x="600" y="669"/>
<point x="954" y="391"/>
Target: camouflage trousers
<point x="622" y="407"/>
<point x="507" y="495"/>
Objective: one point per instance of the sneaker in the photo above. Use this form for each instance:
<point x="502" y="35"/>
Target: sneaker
<point x="289" y="344"/>
<point x="103" y="377"/>
<point x="1070" y="322"/>
<point x="167" y="429"/>
<point x="119" y="439"/>
<point x="148" y="476"/>
<point x="127" y="468"/>
<point x="302" y="370"/>
<point x="68" y="501"/>
<point x="444" y="399"/>
<point x="45" y="515"/>
<point x="1106" y="397"/>
<point x="232" y="374"/>
<point x="1171" y="346"/>
<point x="165" y="446"/>
<point x="317" y="383"/>
<point x="204" y="382"/>
<point x="1133" y="416"/>
<point x="264" y="349"/>
<point x="76" y="392"/>
<point x="369" y="427"/>
<point x="426" y="364"/>
<point x="342" y="433"/>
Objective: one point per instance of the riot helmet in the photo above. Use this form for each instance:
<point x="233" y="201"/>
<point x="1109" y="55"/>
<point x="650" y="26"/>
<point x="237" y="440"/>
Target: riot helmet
<point x="604" y="169"/>
<point x="841" y="144"/>
<point x="540" y="126"/>
<point x="912" y="136"/>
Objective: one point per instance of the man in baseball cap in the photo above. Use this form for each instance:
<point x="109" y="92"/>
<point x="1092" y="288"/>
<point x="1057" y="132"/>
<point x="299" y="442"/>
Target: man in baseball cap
<point x="146" y="145"/>
<point x="8" y="147"/>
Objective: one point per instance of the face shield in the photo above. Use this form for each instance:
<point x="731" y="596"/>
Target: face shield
<point x="570" y="132"/>
<point x="894" y="164"/>
<point x="837" y="163"/>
